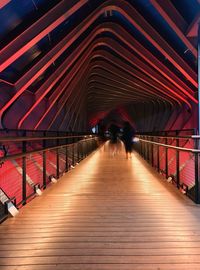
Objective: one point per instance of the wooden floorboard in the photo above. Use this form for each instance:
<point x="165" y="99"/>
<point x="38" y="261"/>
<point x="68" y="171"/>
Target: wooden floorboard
<point x="108" y="213"/>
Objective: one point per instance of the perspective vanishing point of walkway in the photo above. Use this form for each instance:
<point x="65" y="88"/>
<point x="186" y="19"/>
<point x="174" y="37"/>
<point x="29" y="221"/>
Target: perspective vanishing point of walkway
<point x="108" y="213"/>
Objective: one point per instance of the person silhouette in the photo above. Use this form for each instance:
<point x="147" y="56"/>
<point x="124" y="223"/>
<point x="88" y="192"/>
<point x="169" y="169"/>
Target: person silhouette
<point x="127" y="138"/>
<point x="114" y="132"/>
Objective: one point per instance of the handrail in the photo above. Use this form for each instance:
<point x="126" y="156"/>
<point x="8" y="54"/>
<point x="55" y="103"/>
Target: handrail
<point x="171" y="146"/>
<point x="195" y="136"/>
<point x="173" y="137"/>
<point x="20" y="139"/>
<point x="37" y="130"/>
<point x="15" y="156"/>
<point x="51" y="156"/>
<point x="177" y="167"/>
<point x="176" y="131"/>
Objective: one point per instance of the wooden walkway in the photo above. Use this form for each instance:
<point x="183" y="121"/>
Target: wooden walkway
<point x="108" y="213"/>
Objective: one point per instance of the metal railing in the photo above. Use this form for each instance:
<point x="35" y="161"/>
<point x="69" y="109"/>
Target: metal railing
<point x="176" y="158"/>
<point x="30" y="163"/>
<point x="176" y="132"/>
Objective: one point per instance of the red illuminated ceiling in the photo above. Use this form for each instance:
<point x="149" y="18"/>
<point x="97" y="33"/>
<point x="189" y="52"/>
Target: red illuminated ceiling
<point x="111" y="54"/>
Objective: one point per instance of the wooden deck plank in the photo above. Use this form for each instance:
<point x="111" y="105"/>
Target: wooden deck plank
<point x="94" y="266"/>
<point x="100" y="252"/>
<point x="100" y="245"/>
<point x="108" y="213"/>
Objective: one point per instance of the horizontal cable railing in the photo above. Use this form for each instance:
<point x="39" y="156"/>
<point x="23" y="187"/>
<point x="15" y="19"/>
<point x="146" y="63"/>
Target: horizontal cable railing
<point x="29" y="164"/>
<point x="176" y="158"/>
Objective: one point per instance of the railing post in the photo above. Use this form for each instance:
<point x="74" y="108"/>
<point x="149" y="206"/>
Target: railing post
<point x="197" y="184"/>
<point x="57" y="158"/>
<point x="73" y="150"/>
<point x="177" y="163"/>
<point x="89" y="143"/>
<point x="147" y="150"/>
<point x="142" y="148"/>
<point x="152" y="158"/>
<point x="24" y="171"/>
<point x="166" y="158"/>
<point x="66" y="155"/>
<point x="44" y="162"/>
<point x="158" y="158"/>
<point x="81" y="148"/>
<point x="78" y="154"/>
<point x="86" y="147"/>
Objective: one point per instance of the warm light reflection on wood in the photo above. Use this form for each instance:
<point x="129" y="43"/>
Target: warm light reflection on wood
<point x="107" y="213"/>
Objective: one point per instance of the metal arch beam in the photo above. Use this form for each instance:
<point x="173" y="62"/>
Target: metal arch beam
<point x="70" y="95"/>
<point x="126" y="58"/>
<point x="143" y="80"/>
<point x="192" y="30"/>
<point x="115" y="91"/>
<point x="6" y="82"/>
<point x="174" y="15"/>
<point x="116" y="30"/>
<point x="54" y="98"/>
<point x="67" y="82"/>
<point x="96" y="92"/>
<point x="114" y="81"/>
<point x="48" y="108"/>
<point x="145" y="68"/>
<point x="22" y="84"/>
<point x="19" y="92"/>
<point x="66" y="95"/>
<point x="33" y="73"/>
<point x="80" y="104"/>
<point x="137" y="83"/>
<point x="3" y="3"/>
<point x="75" y="85"/>
<point x="75" y="103"/>
<point x="28" y="38"/>
<point x="44" y="93"/>
<point x="164" y="9"/>
<point x="94" y="114"/>
<point x="62" y="86"/>
<point x="64" y="101"/>
<point x="51" y="105"/>
<point x="149" y="32"/>
<point x="149" y="58"/>
<point x="139" y="22"/>
<point x="110" y="99"/>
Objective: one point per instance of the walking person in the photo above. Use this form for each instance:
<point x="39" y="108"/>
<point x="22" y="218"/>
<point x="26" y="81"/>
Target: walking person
<point x="127" y="138"/>
<point x="114" y="133"/>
